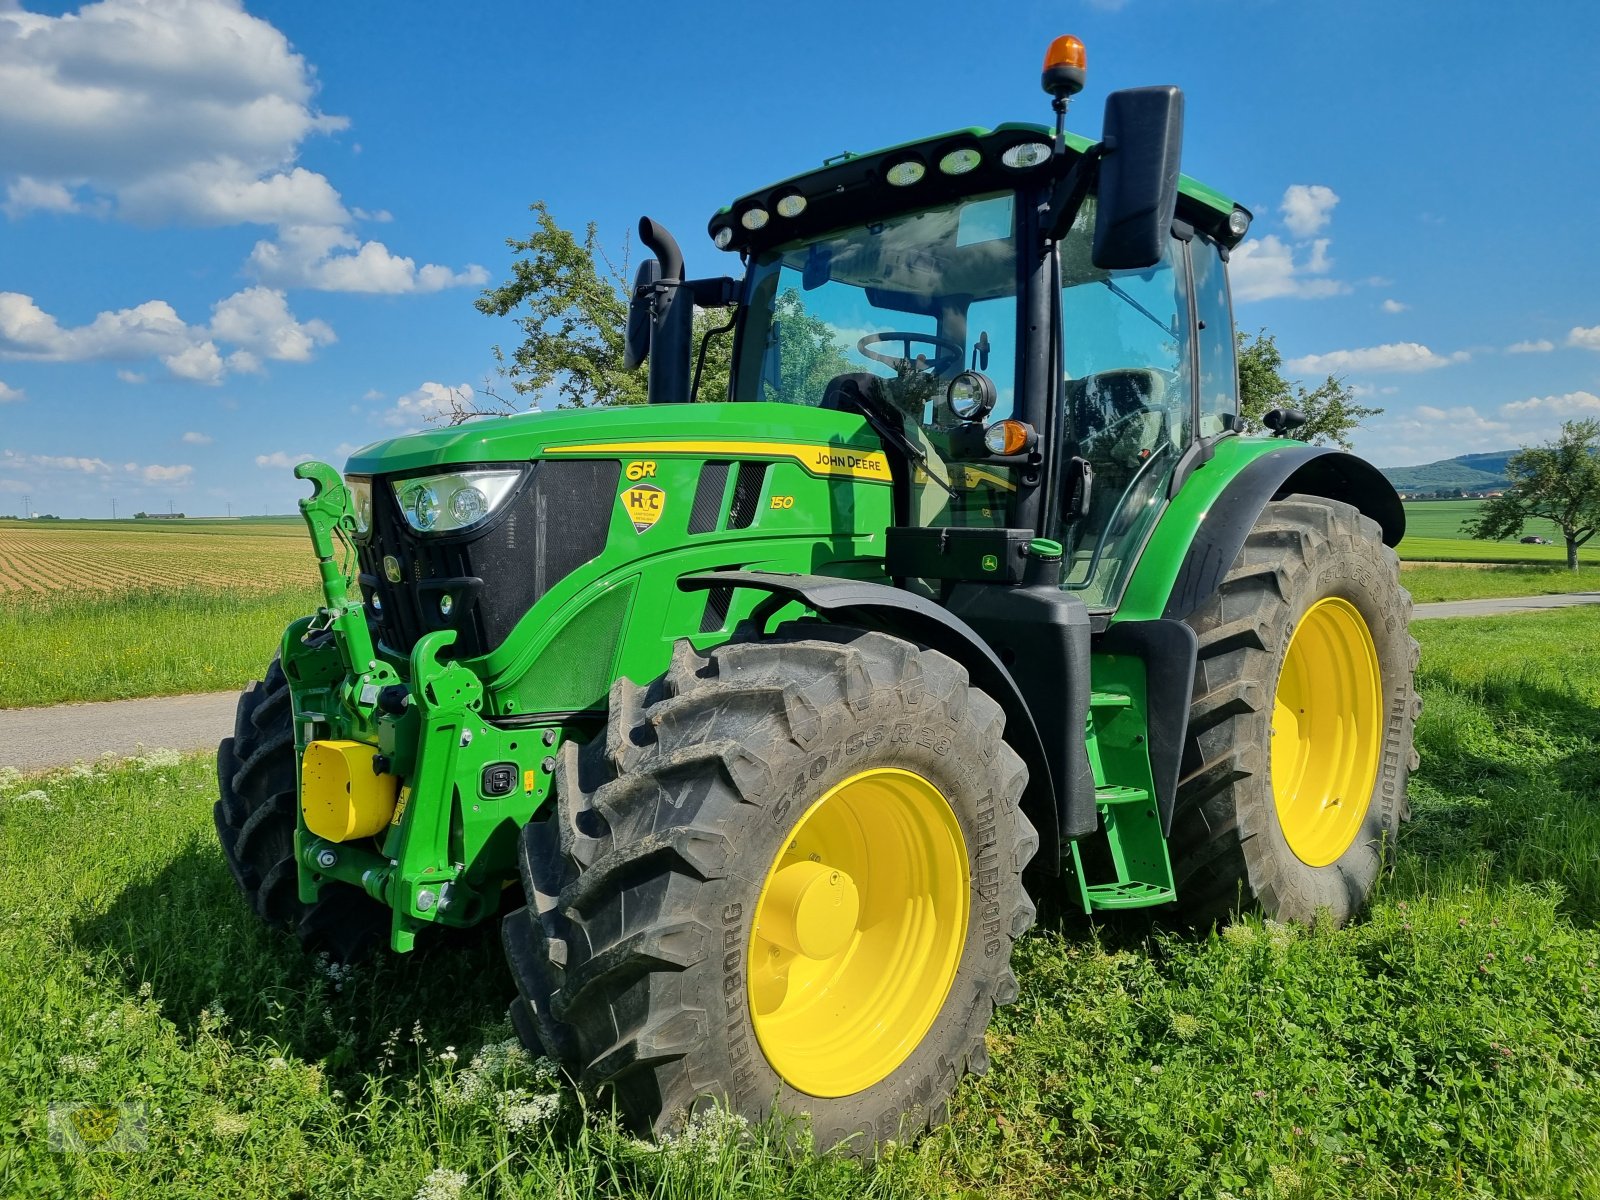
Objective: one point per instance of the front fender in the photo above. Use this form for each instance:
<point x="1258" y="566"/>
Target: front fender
<point x="901" y="614"/>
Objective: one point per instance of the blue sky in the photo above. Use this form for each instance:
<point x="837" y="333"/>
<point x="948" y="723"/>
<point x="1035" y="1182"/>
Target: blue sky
<point x="231" y="236"/>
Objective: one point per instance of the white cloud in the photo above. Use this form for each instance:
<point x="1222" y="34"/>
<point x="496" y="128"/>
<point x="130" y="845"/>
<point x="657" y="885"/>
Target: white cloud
<point x="9" y="394"/>
<point x="1395" y="356"/>
<point x="190" y="112"/>
<point x="198" y="439"/>
<point x="278" y="459"/>
<point x="182" y="110"/>
<point x="1542" y="346"/>
<point x="129" y="376"/>
<point x="159" y="474"/>
<point x="1566" y="407"/>
<point x="61" y="462"/>
<point x="428" y="404"/>
<point x="333" y="259"/>
<point x="1269" y="268"/>
<point x="1307" y="208"/>
<point x="1394" y="306"/>
<point x="256" y="321"/>
<point x="1588" y="339"/>
<point x="25" y="195"/>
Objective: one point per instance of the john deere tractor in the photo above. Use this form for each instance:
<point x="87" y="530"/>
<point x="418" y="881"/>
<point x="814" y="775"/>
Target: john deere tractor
<point x="778" y="711"/>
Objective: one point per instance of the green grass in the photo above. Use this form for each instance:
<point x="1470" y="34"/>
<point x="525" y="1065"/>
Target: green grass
<point x="1433" y="534"/>
<point x="64" y="646"/>
<point x="1446" y="1045"/>
<point x="1428" y="584"/>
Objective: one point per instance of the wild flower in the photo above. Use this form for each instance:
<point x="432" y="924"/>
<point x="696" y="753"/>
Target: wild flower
<point x="1185" y="1025"/>
<point x="34" y="796"/>
<point x="520" y="1115"/>
<point x="227" y="1124"/>
<point x="707" y="1134"/>
<point x="146" y="990"/>
<point x="442" y="1184"/>
<point x="1239" y="935"/>
<point x="9" y="778"/>
<point x="78" y="1064"/>
<point x="277" y="1063"/>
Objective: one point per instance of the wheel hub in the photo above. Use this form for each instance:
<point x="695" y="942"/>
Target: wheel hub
<point x="858" y="931"/>
<point x="1327" y="731"/>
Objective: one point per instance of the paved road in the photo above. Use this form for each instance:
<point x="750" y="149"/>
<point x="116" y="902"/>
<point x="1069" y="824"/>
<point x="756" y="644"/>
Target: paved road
<point x="32" y="739"/>
<point x="1500" y="606"/>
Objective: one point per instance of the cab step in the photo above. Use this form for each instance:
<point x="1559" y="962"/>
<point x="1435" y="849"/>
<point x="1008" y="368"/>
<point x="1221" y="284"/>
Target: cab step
<point x="1111" y="794"/>
<point x="1128" y="895"/>
<point x="1110" y="700"/>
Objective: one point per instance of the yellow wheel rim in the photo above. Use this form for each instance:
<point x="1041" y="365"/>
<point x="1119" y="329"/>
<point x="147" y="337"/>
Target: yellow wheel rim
<point x="1327" y="731"/>
<point x="858" y="932"/>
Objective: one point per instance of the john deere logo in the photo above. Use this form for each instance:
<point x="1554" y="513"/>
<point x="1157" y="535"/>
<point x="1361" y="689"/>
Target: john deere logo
<point x="644" y="504"/>
<point x="391" y="568"/>
<point x="991" y="563"/>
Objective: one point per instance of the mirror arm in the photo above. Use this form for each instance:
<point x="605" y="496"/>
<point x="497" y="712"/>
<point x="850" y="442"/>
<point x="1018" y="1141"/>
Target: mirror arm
<point x="1067" y="197"/>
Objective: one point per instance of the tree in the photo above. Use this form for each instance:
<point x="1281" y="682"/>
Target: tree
<point x="1331" y="407"/>
<point x="1559" y="481"/>
<point x="571" y="299"/>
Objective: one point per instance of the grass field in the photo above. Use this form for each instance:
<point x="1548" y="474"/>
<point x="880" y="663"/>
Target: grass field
<point x="1446" y="1045"/>
<point x="1428" y="583"/>
<point x="107" y="610"/>
<point x="1433" y="534"/>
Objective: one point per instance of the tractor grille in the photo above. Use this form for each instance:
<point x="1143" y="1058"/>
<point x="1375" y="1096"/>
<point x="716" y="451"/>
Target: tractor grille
<point x="553" y="524"/>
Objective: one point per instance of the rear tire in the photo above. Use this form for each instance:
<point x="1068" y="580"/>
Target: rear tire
<point x="638" y="957"/>
<point x="1232" y="828"/>
<point x="255" y="818"/>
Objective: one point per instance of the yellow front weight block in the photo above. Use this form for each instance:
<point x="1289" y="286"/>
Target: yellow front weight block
<point x="341" y="797"/>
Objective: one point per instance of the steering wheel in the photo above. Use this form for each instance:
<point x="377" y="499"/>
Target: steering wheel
<point x="951" y="352"/>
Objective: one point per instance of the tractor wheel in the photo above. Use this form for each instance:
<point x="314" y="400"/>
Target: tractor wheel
<point x="1299" y="743"/>
<point x="787" y="878"/>
<point x="255" y="816"/>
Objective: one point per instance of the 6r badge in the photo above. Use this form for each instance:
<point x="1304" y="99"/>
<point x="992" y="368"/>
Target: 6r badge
<point x="643" y="504"/>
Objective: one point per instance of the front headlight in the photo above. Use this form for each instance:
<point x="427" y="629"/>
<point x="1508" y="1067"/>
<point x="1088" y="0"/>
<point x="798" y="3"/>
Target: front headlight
<point x="451" y="503"/>
<point x="361" y="500"/>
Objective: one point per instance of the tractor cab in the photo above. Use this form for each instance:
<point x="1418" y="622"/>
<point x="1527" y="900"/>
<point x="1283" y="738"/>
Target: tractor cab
<point x="1037" y="327"/>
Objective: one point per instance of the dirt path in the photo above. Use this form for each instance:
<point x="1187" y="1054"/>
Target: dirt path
<point x="32" y="739"/>
<point x="1501" y="605"/>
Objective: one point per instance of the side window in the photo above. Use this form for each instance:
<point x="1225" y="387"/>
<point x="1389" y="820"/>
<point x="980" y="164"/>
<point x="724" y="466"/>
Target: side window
<point x="1219" y="379"/>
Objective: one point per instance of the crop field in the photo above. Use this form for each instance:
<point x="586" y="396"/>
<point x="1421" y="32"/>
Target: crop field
<point x="1446" y="1044"/>
<point x="82" y="556"/>
<point x="1433" y="534"/>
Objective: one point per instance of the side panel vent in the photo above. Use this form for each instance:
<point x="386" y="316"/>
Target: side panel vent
<point x="708" y="493"/>
<point x="747" y="488"/>
<point x="718" y="601"/>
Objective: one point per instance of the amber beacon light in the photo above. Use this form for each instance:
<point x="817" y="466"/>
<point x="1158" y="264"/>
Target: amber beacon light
<point x="1064" y="67"/>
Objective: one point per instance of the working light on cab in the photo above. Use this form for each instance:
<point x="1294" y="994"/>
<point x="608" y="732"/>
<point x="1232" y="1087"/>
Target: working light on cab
<point x="360" y="501"/>
<point x="959" y="162"/>
<point x="450" y="503"/>
<point x="1238" y="222"/>
<point x="791" y="205"/>
<point x="1026" y="154"/>
<point x="754" y="218"/>
<point x="905" y="173"/>
<point x="722" y="237"/>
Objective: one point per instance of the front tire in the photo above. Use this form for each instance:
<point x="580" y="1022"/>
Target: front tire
<point x="255" y="818"/>
<point x="1300" y="734"/>
<point x="788" y="877"/>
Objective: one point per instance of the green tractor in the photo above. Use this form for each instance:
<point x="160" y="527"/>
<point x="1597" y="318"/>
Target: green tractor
<point x="774" y="710"/>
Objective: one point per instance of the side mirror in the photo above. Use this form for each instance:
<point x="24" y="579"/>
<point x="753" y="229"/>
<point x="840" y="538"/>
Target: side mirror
<point x="636" y="341"/>
<point x="1143" y="140"/>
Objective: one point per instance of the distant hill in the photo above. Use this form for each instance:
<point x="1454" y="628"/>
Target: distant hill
<point x="1469" y="472"/>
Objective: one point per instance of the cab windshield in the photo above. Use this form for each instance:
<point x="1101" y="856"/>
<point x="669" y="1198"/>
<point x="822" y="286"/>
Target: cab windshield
<point x="909" y="301"/>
